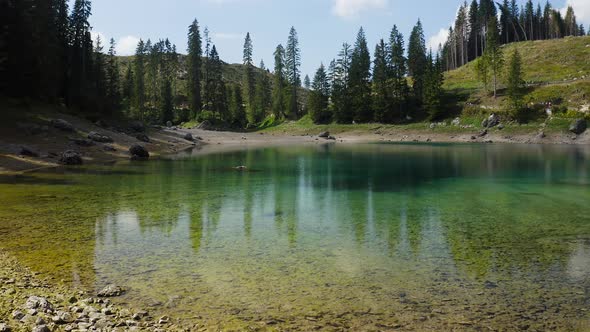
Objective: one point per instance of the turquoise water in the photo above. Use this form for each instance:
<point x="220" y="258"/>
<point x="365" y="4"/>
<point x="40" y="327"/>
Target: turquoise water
<point x="362" y="237"/>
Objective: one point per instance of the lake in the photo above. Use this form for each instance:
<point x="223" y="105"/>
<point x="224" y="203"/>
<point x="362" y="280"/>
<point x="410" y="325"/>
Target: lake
<point x="361" y="237"/>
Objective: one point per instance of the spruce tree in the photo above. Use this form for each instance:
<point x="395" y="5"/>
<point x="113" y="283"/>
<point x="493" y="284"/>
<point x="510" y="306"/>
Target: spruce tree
<point x="292" y="64"/>
<point x="382" y="101"/>
<point x="128" y="90"/>
<point x="114" y="87"/>
<point x="400" y="89"/>
<point x="139" y="80"/>
<point x="236" y="108"/>
<point x="417" y="61"/>
<point x="278" y="88"/>
<point x="493" y="53"/>
<point x="195" y="51"/>
<point x="249" y="79"/>
<point x="307" y="82"/>
<point x="433" y="91"/>
<point x="261" y="102"/>
<point x="359" y="79"/>
<point x="515" y="85"/>
<point x="319" y="97"/>
<point x="341" y="96"/>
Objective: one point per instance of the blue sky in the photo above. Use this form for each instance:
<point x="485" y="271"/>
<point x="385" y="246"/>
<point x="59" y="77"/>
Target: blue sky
<point x="322" y="25"/>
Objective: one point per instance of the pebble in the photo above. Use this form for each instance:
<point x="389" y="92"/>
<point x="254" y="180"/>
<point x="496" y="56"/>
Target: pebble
<point x="4" y="327"/>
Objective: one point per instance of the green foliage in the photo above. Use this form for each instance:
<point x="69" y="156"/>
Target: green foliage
<point x="319" y="97"/>
<point x="195" y="51"/>
<point x="515" y="85"/>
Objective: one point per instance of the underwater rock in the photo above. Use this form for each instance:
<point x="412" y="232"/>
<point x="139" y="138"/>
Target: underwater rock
<point x="111" y="290"/>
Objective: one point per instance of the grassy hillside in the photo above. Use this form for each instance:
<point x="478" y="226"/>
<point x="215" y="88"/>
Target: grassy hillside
<point x="556" y="71"/>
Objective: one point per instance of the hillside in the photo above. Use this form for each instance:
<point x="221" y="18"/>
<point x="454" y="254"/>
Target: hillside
<point x="556" y="71"/>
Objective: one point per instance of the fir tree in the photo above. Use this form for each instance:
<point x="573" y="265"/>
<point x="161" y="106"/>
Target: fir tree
<point x="515" y="85"/>
<point x="319" y="97"/>
<point x="128" y="89"/>
<point x="359" y="79"/>
<point x="114" y="88"/>
<point x="195" y="51"/>
<point x="139" y="80"/>
<point x="262" y="100"/>
<point x="236" y="108"/>
<point x="417" y="61"/>
<point x="433" y="91"/>
<point x="278" y="88"/>
<point x="292" y="64"/>
<point x="249" y="79"/>
<point x="341" y="98"/>
<point x="400" y="89"/>
<point x="382" y="101"/>
<point x="307" y="82"/>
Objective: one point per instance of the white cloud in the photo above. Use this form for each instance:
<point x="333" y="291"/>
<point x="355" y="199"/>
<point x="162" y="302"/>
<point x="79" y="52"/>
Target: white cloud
<point x="352" y="8"/>
<point x="127" y="45"/>
<point x="581" y="9"/>
<point x="439" y="39"/>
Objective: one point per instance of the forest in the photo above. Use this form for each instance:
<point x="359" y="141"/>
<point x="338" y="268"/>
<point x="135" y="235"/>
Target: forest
<point x="47" y="54"/>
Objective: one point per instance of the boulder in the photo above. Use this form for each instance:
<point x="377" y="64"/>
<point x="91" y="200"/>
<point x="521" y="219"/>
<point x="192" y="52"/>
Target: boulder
<point x="490" y="122"/>
<point x="205" y="125"/>
<point x="456" y="122"/>
<point x="331" y="138"/>
<point x="82" y="142"/>
<point x="168" y="124"/>
<point x="579" y="126"/>
<point x="483" y="133"/>
<point x="138" y="152"/>
<point x="4" y="328"/>
<point x="189" y="137"/>
<point x="541" y="135"/>
<point x="39" y="303"/>
<point x="143" y="138"/>
<point x="112" y="290"/>
<point x="324" y="134"/>
<point x="137" y="126"/>
<point x="70" y="157"/>
<point x="62" y="125"/>
<point x="26" y="151"/>
<point x="99" y="137"/>
<point x="109" y="148"/>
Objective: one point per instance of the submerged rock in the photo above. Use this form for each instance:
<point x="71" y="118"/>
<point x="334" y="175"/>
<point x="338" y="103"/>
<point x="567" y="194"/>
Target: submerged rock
<point x="579" y="126"/>
<point x="138" y="152"/>
<point x="70" y="157"/>
<point x="111" y="291"/>
<point x="62" y="125"/>
<point x="99" y="137"/>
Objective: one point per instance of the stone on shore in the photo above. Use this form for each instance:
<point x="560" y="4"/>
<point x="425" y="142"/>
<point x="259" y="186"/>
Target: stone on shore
<point x="27" y="151"/>
<point x="62" y="125"/>
<point x="99" y="137"/>
<point x="138" y="152"/>
<point x="189" y="137"/>
<point x="111" y="291"/>
<point x="490" y="122"/>
<point x="70" y="157"/>
<point x="143" y="138"/>
<point x="39" y="303"/>
<point x="579" y="126"/>
<point x="324" y="134"/>
<point x="137" y="126"/>
<point x="4" y="327"/>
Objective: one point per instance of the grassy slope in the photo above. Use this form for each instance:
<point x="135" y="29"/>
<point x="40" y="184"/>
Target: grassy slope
<point x="556" y="71"/>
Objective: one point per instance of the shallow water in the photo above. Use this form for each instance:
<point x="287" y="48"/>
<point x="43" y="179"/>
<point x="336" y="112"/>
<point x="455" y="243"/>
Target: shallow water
<point x="362" y="237"/>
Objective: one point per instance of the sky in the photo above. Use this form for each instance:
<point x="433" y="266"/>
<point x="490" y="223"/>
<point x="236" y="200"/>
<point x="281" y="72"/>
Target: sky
<point x="322" y="25"/>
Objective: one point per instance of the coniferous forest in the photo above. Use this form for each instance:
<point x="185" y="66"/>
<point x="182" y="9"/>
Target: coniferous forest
<point x="47" y="54"/>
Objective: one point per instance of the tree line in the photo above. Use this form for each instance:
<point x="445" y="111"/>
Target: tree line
<point x="467" y="37"/>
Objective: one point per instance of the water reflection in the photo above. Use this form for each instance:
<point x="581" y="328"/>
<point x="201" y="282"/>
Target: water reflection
<point x="319" y="220"/>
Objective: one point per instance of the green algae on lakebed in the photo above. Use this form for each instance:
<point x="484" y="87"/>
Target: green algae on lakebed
<point x="371" y="236"/>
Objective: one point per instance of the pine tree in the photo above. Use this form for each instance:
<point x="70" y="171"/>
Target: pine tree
<point x="139" y="80"/>
<point x="474" y="27"/>
<point x="249" y="79"/>
<point x="433" y="91"/>
<point x="307" y="82"/>
<point x="417" y="61"/>
<point x="400" y="89"/>
<point x="236" y="108"/>
<point x="114" y="88"/>
<point x="359" y="79"/>
<point x="382" y="101"/>
<point x="319" y="97"/>
<point x="493" y="53"/>
<point x="341" y="97"/>
<point x="195" y="51"/>
<point x="292" y="64"/>
<point x="278" y="89"/>
<point x="515" y="85"/>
